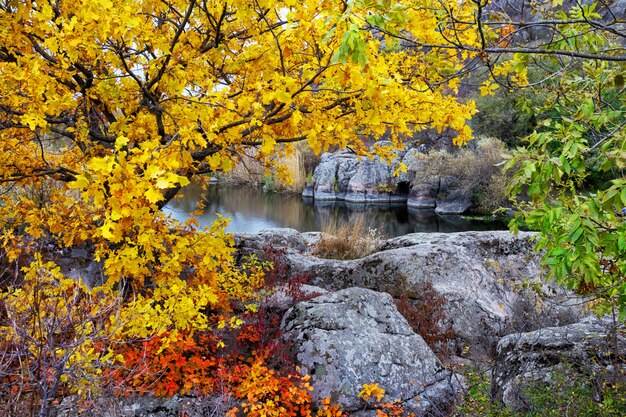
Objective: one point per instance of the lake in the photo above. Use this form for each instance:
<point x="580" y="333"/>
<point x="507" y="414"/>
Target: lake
<point x="252" y="210"/>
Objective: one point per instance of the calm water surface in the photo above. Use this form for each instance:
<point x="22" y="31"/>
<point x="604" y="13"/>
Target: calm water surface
<point x="252" y="210"/>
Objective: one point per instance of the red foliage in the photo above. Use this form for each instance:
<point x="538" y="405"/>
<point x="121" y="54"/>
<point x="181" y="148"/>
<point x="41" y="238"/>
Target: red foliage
<point x="426" y="315"/>
<point x="187" y="365"/>
<point x="200" y="364"/>
<point x="280" y="277"/>
<point x="250" y="363"/>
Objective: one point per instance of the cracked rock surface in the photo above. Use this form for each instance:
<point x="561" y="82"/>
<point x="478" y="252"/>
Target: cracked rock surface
<point x="347" y="177"/>
<point x="357" y="336"/>
<point x="477" y="272"/>
<point x="589" y="349"/>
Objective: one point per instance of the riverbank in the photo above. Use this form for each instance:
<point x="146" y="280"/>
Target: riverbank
<point x="468" y="180"/>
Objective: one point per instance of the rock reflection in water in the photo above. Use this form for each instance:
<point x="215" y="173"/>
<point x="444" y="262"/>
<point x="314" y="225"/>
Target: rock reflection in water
<point x="252" y="210"/>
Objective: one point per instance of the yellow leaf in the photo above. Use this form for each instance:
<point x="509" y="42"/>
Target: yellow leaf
<point x="268" y="145"/>
<point x="80" y="183"/>
<point x="163" y="183"/>
<point x="106" y="232"/>
<point x="488" y="88"/>
<point x="33" y="121"/>
<point x="284" y="96"/>
<point x="183" y="181"/>
<point x="153" y="196"/>
<point x="296" y="117"/>
<point x="104" y="164"/>
<point x="120" y="142"/>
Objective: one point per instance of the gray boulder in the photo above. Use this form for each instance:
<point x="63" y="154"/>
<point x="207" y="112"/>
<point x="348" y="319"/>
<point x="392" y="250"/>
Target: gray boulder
<point x="371" y="182"/>
<point x="587" y="351"/>
<point x="344" y="176"/>
<point x="148" y="406"/>
<point x="452" y="198"/>
<point x="326" y="177"/>
<point x="357" y="336"/>
<point x="279" y="238"/>
<point x="478" y="273"/>
<point x="308" y="193"/>
<point x="283" y="300"/>
<point x="79" y="264"/>
<point x="467" y="268"/>
<point x="424" y="194"/>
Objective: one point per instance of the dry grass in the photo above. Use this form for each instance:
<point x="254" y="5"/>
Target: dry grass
<point x="247" y="171"/>
<point x="477" y="169"/>
<point x="296" y="165"/>
<point x="348" y="240"/>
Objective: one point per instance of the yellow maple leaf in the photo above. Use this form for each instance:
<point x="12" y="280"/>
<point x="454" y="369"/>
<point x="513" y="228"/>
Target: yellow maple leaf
<point x="153" y="195"/>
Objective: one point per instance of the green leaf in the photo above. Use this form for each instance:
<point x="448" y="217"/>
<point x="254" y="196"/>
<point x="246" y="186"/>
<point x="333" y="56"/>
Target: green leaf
<point x="329" y="35"/>
<point x="588" y="108"/>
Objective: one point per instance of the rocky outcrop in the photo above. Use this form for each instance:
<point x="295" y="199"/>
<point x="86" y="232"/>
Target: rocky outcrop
<point x="282" y="299"/>
<point x="589" y="350"/>
<point x="282" y="239"/>
<point x="477" y="272"/>
<point x="357" y="336"/>
<point x="343" y="176"/>
<point x="424" y="194"/>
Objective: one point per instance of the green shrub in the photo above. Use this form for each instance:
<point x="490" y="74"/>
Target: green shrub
<point x="502" y="116"/>
<point x="509" y="114"/>
<point x="567" y="394"/>
<point x="269" y="183"/>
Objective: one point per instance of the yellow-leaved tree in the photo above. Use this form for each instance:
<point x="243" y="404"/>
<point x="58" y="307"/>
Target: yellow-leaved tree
<point x="109" y="107"/>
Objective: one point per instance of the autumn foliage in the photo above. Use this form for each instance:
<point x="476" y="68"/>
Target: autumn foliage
<point x="426" y="315"/>
<point x="108" y="108"/>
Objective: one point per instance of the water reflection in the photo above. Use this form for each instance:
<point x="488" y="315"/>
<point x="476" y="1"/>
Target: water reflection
<point x="252" y="210"/>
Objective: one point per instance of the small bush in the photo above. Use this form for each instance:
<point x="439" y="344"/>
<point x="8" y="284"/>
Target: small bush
<point x="474" y="169"/>
<point x="426" y="314"/>
<point x="349" y="240"/>
<point x="492" y="196"/>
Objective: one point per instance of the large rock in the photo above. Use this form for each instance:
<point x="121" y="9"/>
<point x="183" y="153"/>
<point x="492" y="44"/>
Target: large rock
<point x="587" y="351"/>
<point x="477" y="272"/>
<point x="424" y="194"/>
<point x="467" y="268"/>
<point x="344" y="176"/>
<point x="451" y="198"/>
<point x="283" y="239"/>
<point x="148" y="406"/>
<point x="357" y="336"/>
